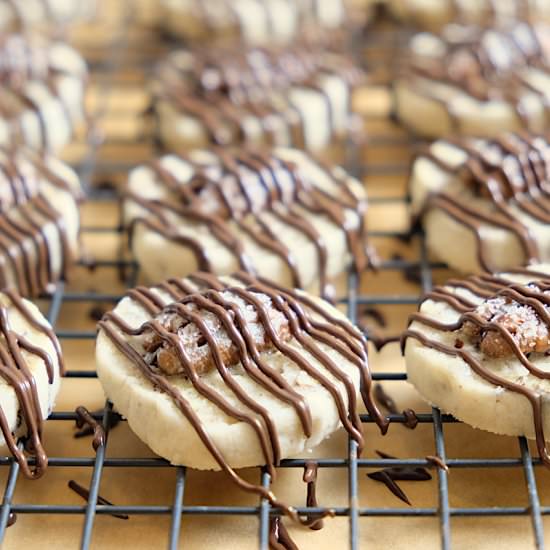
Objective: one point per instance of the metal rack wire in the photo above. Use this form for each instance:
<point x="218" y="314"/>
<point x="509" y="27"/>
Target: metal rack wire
<point x="263" y="511"/>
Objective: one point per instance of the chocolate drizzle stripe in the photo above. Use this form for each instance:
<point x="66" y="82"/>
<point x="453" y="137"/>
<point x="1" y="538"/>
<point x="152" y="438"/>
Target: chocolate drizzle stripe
<point x="16" y="372"/>
<point x="27" y="262"/>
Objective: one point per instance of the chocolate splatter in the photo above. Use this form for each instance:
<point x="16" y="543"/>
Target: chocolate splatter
<point x="96" y="312"/>
<point x="389" y="476"/>
<point x="411" y="420"/>
<point x="85" y="494"/>
<point x="373" y="313"/>
<point x="387" y="402"/>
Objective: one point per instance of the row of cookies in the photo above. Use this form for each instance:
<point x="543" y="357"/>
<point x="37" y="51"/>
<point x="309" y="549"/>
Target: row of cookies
<point x="238" y="370"/>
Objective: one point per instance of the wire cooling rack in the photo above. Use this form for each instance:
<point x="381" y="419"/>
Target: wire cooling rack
<point x="354" y="299"/>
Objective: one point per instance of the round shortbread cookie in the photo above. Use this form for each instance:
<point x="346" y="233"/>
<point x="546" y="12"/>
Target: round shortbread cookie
<point x="39" y="221"/>
<point x="279" y="214"/>
<point x="42" y="96"/>
<point x="491" y="196"/>
<point x="475" y="82"/>
<point x="299" y="96"/>
<point x="207" y="369"/>
<point x="478" y="349"/>
<point x="30" y="377"/>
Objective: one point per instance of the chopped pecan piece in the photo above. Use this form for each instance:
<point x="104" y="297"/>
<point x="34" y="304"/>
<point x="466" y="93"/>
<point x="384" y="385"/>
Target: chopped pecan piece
<point x="523" y="324"/>
<point x="160" y="351"/>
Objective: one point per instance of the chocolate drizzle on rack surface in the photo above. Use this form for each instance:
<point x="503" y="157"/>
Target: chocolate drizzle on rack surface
<point x="225" y="325"/>
<point x="25" y="210"/>
<point x="512" y="318"/>
<point x="235" y="199"/>
<point x="513" y="174"/>
<point x="14" y="369"/>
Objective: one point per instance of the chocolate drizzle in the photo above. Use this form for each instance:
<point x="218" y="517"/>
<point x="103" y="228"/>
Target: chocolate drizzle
<point x="25" y="209"/>
<point x="486" y="65"/>
<point x="531" y="296"/>
<point x="512" y="174"/>
<point x="308" y="323"/>
<point x="279" y="538"/>
<point x="234" y="203"/>
<point x="83" y="416"/>
<point x="14" y="369"/>
<point x="226" y="89"/>
<point x="310" y="477"/>
<point x="85" y="494"/>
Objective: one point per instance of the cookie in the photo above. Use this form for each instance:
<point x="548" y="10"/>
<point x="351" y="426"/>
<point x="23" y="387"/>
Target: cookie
<point x="478" y="349"/>
<point x="434" y="14"/>
<point x="491" y="196"/>
<point x="279" y="214"/>
<point x="39" y="220"/>
<point x="233" y="372"/>
<point x="42" y="96"/>
<point x="475" y="82"/>
<point x="299" y="96"/>
<point x="29" y="379"/>
<point x="253" y="22"/>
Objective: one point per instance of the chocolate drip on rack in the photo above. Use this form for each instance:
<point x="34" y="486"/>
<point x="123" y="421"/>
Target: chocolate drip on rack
<point x="232" y="199"/>
<point x="279" y="538"/>
<point x="310" y="477"/>
<point x="14" y="369"/>
<point x="84" y="417"/>
<point x="533" y="296"/>
<point x="279" y="316"/>
<point x="24" y="211"/>
<point x="486" y="65"/>
<point x="513" y="173"/>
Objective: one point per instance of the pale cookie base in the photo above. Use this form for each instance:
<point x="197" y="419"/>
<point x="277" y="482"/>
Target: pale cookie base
<point x="158" y="422"/>
<point x="47" y="393"/>
<point x="450" y="384"/>
<point x="160" y="257"/>
<point x="503" y="249"/>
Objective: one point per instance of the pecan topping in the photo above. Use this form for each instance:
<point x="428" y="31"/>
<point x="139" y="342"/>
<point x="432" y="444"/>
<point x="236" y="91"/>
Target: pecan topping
<point x="160" y="352"/>
<point x="524" y="325"/>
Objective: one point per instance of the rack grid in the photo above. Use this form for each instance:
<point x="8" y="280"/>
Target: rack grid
<point x="352" y="462"/>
